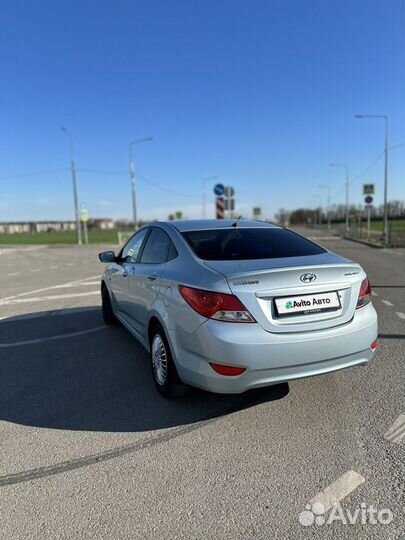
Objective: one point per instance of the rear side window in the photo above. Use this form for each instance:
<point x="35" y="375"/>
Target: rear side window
<point x="243" y="244"/>
<point x="157" y="248"/>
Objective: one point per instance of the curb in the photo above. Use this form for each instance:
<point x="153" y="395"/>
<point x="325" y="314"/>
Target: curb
<point x="364" y="242"/>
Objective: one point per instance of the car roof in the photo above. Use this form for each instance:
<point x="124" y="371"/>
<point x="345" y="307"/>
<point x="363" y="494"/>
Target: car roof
<point x="206" y="224"/>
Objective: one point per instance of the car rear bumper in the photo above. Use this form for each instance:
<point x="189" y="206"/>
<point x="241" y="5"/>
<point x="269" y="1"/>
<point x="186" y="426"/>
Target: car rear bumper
<point x="270" y="358"/>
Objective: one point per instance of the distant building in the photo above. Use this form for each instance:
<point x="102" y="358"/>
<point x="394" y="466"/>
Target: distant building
<point x="101" y="223"/>
<point x="32" y="227"/>
<point x="17" y="227"/>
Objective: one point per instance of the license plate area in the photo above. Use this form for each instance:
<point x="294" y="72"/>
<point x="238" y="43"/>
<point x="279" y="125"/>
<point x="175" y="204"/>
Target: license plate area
<point x="305" y="304"/>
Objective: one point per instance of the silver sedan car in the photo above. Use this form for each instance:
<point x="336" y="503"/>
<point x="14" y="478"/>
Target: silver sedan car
<point x="228" y="306"/>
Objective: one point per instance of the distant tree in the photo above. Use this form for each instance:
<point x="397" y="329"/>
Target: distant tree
<point x="302" y="215"/>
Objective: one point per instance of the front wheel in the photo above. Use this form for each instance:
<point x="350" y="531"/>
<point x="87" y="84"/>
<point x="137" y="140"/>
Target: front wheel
<point x="163" y="369"/>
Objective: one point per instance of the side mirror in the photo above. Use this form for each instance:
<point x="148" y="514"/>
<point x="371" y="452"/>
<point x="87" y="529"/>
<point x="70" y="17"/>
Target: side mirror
<point x="107" y="257"/>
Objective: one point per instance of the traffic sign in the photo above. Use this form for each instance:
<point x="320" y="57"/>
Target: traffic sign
<point x="84" y="213"/>
<point x="230" y="204"/>
<point x="368" y="189"/>
<point x="229" y="192"/>
<point x="219" y="189"/>
<point x="369" y="199"/>
<point x="257" y="211"/>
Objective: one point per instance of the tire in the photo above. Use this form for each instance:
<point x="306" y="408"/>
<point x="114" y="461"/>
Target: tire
<point x="106" y="307"/>
<point x="164" y="370"/>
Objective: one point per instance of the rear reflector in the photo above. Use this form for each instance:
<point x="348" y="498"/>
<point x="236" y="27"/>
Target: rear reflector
<point x="230" y="371"/>
<point x="374" y="345"/>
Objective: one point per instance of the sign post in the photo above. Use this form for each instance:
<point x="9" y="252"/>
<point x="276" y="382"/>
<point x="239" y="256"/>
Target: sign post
<point x="368" y="221"/>
<point x="84" y="218"/>
<point x="219" y="201"/>
<point x="224" y="201"/>
<point x="220" y="208"/>
<point x="368" y="200"/>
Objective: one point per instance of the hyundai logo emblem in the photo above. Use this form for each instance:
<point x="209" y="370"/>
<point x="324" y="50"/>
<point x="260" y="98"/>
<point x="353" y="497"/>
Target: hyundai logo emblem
<point x="308" y="278"/>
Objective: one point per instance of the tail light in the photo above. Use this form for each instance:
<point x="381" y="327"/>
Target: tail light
<point x="374" y="345"/>
<point x="364" y="294"/>
<point x="213" y="305"/>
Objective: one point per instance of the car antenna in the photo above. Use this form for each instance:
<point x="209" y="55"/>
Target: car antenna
<point x="236" y="222"/>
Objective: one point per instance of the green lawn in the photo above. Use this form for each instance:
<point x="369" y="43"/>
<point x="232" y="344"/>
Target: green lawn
<point x="397" y="225"/>
<point x="66" y="237"/>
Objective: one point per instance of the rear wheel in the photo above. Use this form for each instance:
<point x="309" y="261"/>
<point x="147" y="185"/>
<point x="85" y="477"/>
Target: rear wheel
<point x="163" y="369"/>
<point x="106" y="306"/>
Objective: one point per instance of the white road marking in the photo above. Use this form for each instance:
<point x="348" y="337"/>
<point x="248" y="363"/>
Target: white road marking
<point x="55" y="313"/>
<point x="70" y="264"/>
<point x="14" y="274"/>
<point x="374" y="293"/>
<point x="339" y="489"/>
<point x="400" y="315"/>
<point x="387" y="303"/>
<point x="397" y="431"/>
<point x="53" y="267"/>
<point x="68" y="284"/>
<point x="36" y="270"/>
<point x="45" y="298"/>
<point x="19" y="249"/>
<point x="51" y="338"/>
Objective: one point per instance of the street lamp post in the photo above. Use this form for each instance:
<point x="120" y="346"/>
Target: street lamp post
<point x="346" y="167"/>
<point x="75" y="197"/>
<point x="318" y="210"/>
<point x="385" y="118"/>
<point x="324" y="186"/>
<point x="133" y="176"/>
<point x="203" y="182"/>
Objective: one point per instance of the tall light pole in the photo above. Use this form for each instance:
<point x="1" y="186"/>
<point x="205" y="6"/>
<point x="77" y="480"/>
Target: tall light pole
<point x="318" y="209"/>
<point x="75" y="198"/>
<point x="346" y="167"/>
<point x="324" y="186"/>
<point x="132" y="174"/>
<point x="203" y="182"/>
<point x="385" y="118"/>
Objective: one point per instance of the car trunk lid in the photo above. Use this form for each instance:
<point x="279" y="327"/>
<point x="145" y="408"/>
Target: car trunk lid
<point x="259" y="283"/>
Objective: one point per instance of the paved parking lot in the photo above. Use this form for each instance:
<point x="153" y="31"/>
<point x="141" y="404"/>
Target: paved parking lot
<point x="90" y="450"/>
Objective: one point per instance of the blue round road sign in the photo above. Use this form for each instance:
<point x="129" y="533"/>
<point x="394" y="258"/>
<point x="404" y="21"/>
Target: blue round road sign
<point x="369" y="199"/>
<point x="219" y="189"/>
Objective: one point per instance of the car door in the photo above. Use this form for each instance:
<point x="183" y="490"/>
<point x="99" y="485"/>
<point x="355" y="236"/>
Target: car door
<point x="125" y="267"/>
<point x="144" y="282"/>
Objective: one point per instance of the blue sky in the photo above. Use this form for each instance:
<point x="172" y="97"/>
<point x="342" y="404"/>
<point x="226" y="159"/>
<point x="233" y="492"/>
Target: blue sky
<point x="260" y="93"/>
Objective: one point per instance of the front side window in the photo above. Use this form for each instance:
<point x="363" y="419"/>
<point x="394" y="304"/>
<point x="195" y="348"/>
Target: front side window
<point x="157" y="247"/>
<point x="131" y="250"/>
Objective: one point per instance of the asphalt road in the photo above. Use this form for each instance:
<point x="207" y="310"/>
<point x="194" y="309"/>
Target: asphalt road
<point x="90" y="450"/>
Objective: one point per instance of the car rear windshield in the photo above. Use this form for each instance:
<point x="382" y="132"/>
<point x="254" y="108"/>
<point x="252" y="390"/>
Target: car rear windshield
<point x="242" y="244"/>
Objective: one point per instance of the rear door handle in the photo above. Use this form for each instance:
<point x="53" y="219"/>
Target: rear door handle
<point x="152" y="277"/>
